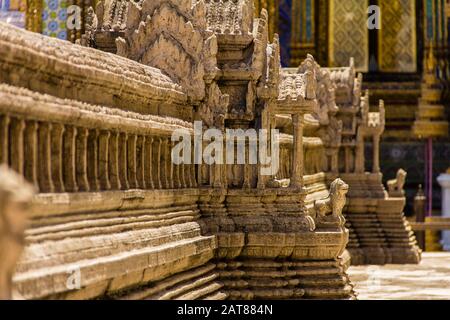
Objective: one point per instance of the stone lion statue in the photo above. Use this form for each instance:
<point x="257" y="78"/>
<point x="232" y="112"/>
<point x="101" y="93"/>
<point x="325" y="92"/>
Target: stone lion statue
<point x="395" y="186"/>
<point x="15" y="195"/>
<point x="329" y="210"/>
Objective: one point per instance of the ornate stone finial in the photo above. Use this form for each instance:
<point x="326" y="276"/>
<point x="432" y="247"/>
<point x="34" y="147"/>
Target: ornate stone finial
<point x="261" y="40"/>
<point x="420" y="192"/>
<point x="274" y="62"/>
<point x="395" y="186"/>
<point x="329" y="210"/>
<point x="309" y="67"/>
<point x="15" y="194"/>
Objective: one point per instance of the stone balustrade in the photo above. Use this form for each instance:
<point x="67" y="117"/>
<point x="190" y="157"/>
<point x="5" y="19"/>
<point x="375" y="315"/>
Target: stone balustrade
<point x="68" y="146"/>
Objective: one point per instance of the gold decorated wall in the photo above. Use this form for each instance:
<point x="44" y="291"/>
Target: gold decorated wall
<point x="33" y="20"/>
<point x="348" y="34"/>
<point x="303" y="29"/>
<point x="336" y="30"/>
<point x="397" y="42"/>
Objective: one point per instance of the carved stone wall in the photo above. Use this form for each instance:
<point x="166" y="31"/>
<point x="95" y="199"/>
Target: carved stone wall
<point x="113" y="212"/>
<point x="114" y="216"/>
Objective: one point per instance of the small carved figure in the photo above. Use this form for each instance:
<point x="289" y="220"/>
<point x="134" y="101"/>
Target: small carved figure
<point x="15" y="195"/>
<point x="329" y="210"/>
<point x="395" y="186"/>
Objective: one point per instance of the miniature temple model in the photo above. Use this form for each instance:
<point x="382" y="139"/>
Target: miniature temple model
<point x="105" y="135"/>
<point x="89" y="129"/>
<point x="379" y="232"/>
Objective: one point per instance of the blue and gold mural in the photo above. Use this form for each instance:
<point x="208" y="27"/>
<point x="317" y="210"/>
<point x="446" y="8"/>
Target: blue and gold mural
<point x="335" y="30"/>
<point x="54" y="18"/>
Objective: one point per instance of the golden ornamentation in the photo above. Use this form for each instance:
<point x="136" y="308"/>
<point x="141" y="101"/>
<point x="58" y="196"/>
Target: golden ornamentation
<point x="349" y="36"/>
<point x="430" y="117"/>
<point x="397" y="37"/>
<point x="34" y="16"/>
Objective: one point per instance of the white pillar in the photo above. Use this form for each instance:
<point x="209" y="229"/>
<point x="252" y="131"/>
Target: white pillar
<point x="444" y="181"/>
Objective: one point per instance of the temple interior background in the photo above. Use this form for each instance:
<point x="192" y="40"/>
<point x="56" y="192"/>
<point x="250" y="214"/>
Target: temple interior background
<point x="392" y="60"/>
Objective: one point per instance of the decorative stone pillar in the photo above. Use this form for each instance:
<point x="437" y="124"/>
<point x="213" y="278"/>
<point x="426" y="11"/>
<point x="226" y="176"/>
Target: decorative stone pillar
<point x="376" y="154"/>
<point x="359" y="157"/>
<point x="297" y="161"/>
<point x="444" y="181"/>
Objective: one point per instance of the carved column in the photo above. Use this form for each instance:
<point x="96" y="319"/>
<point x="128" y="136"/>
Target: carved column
<point x="193" y="170"/>
<point x="170" y="166"/>
<point x="103" y="168"/>
<point x="359" y="161"/>
<point x="4" y="139"/>
<point x="376" y="154"/>
<point x="297" y="163"/>
<point x="177" y="175"/>
<point x="164" y="172"/>
<point x="157" y="162"/>
<point x="347" y="159"/>
<point x="334" y="160"/>
<point x="140" y="160"/>
<point x="92" y="156"/>
<point x="57" y="156"/>
<point x="247" y="167"/>
<point x="148" y="163"/>
<point x="69" y="158"/>
<point x="113" y="159"/>
<point x="132" y="178"/>
<point x="123" y="161"/>
<point x="81" y="156"/>
<point x="17" y="147"/>
<point x="31" y="153"/>
<point x="45" y="168"/>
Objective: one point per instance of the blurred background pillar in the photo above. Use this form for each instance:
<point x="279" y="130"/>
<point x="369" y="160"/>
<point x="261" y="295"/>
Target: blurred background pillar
<point x="419" y="211"/>
<point x="444" y="181"/>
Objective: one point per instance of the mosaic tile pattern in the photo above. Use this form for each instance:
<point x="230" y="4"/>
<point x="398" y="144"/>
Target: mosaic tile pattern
<point x="54" y="17"/>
